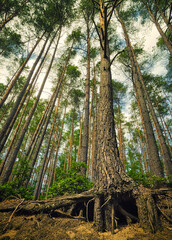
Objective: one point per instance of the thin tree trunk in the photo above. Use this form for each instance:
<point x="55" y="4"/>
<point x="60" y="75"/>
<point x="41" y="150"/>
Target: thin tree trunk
<point x="18" y="101"/>
<point x="5" y="174"/>
<point x="164" y="18"/>
<point x="94" y="134"/>
<point x="89" y="134"/>
<point x="154" y="160"/>
<point x="120" y="135"/>
<point x="165" y="39"/>
<point x="52" y="101"/>
<point x="57" y="149"/>
<point x="15" y="132"/>
<point x="163" y="120"/>
<point x="71" y="143"/>
<point x="45" y="159"/>
<point x="80" y="138"/>
<point x="143" y="151"/>
<point x="165" y="150"/>
<point x="7" y="92"/>
<point x="85" y="137"/>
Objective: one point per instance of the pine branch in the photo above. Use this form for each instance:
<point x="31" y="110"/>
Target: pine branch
<point x="116" y="56"/>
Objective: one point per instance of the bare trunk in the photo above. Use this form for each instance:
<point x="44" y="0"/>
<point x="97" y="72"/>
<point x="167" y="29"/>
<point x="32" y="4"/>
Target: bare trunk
<point x="3" y="133"/>
<point x="85" y="136"/>
<point x="57" y="149"/>
<point x="71" y="143"/>
<point x="15" y="133"/>
<point x="165" y="150"/>
<point x="154" y="160"/>
<point x="80" y="137"/>
<point x="94" y="134"/>
<point x="8" y="169"/>
<point x="89" y="134"/>
<point x="46" y="159"/>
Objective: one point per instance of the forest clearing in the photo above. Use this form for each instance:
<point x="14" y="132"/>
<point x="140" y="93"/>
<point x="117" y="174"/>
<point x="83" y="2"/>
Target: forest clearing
<point x="85" y="119"/>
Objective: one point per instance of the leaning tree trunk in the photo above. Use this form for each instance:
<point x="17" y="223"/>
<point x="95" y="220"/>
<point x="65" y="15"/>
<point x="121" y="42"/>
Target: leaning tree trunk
<point x="152" y="149"/>
<point x="115" y="189"/>
<point x="3" y="133"/>
<point x="166" y="20"/>
<point x="164" y="37"/>
<point x="16" y="77"/>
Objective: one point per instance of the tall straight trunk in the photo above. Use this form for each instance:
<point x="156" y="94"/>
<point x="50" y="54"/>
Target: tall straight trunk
<point x="94" y="134"/>
<point x="89" y="135"/>
<point x="57" y="149"/>
<point x="143" y="151"/>
<point x="3" y="133"/>
<point x="163" y="122"/>
<point x="120" y="135"/>
<point x="15" y="132"/>
<point x="71" y="144"/>
<point x="167" y="128"/>
<point x="140" y="159"/>
<point x="56" y="91"/>
<point x="166" y="137"/>
<point x="165" y="150"/>
<point x="80" y="137"/>
<point x="36" y="75"/>
<point x="8" y="169"/>
<point x="45" y="159"/>
<point x="37" y="133"/>
<point x="7" y="92"/>
<point x="152" y="149"/>
<point x="107" y="153"/>
<point x="85" y="138"/>
<point x="36" y="142"/>
<point x="165" y="39"/>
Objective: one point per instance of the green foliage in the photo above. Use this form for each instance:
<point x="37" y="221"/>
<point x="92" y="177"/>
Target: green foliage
<point x="144" y="178"/>
<point x="11" y="42"/>
<point x="9" y="190"/>
<point x="16" y="188"/>
<point x="70" y="182"/>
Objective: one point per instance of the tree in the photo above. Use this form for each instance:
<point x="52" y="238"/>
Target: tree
<point x="111" y="179"/>
<point x="86" y="8"/>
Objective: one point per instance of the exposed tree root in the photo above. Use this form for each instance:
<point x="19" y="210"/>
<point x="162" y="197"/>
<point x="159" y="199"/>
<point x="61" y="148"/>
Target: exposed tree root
<point x="106" y="210"/>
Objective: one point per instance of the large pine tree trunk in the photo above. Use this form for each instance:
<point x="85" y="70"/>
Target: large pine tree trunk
<point x="116" y="191"/>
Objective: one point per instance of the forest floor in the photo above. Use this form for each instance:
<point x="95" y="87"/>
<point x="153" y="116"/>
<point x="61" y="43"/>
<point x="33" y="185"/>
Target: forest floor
<point x="42" y="226"/>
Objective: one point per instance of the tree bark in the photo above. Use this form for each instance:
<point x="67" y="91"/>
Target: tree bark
<point x="85" y="136"/>
<point x="154" y="160"/>
<point x="57" y="149"/>
<point x="10" y="163"/>
<point x="3" y="133"/>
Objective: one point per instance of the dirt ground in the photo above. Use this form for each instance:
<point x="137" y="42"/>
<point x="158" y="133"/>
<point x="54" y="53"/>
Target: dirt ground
<point x="45" y="227"/>
<point x="49" y="226"/>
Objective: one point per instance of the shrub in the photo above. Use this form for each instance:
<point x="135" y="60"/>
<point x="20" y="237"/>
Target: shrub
<point x="71" y="182"/>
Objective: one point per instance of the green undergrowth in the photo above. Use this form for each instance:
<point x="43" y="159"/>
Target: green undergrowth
<point x="71" y="181"/>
